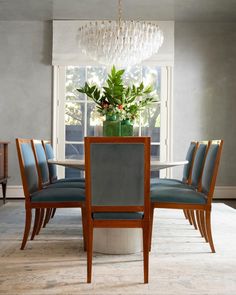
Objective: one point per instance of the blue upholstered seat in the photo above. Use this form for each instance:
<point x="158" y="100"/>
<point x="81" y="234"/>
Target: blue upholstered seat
<point x="67" y="184"/>
<point x="177" y="195"/>
<point x="117" y="216"/>
<point x="80" y="180"/>
<point x="165" y="181"/>
<point x="58" y="195"/>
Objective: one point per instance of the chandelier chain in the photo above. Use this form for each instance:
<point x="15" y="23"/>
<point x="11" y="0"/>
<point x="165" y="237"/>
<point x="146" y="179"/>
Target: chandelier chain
<point x="119" y="12"/>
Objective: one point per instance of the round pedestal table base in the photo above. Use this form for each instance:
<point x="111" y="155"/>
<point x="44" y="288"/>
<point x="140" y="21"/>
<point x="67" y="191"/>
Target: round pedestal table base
<point x="117" y="240"/>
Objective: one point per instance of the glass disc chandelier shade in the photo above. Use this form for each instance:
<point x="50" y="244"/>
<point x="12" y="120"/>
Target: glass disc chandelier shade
<point x="122" y="43"/>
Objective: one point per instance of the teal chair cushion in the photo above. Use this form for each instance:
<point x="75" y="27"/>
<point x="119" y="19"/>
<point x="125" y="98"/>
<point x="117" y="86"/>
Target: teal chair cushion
<point x="67" y="185"/>
<point x="70" y="180"/>
<point x="117" y="215"/>
<point x="155" y="186"/>
<point x="165" y="181"/>
<point x="177" y="195"/>
<point x="58" y="195"/>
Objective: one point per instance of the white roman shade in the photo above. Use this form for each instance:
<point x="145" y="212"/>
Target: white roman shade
<point x="65" y="50"/>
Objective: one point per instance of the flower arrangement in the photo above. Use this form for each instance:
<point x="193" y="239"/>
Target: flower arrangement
<point x="117" y="100"/>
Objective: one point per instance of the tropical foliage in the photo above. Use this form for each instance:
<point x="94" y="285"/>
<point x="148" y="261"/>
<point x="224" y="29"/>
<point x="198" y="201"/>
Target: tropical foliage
<point x="116" y="98"/>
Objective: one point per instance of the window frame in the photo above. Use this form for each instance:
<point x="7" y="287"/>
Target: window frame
<point x="59" y="92"/>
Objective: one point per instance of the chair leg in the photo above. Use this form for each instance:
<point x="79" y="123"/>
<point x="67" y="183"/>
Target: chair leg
<point x="84" y="225"/>
<point x="185" y="214"/>
<point x="189" y="217"/>
<point x="146" y="245"/>
<point x="89" y="252"/>
<point x="47" y="217"/>
<point x="151" y="227"/>
<point x="193" y="218"/>
<point x="40" y="221"/>
<point x="199" y="222"/>
<point x="28" y="217"/>
<point x="53" y="212"/>
<point x="203" y="225"/>
<point x="36" y="223"/>
<point x="4" y="189"/>
<point x="208" y="228"/>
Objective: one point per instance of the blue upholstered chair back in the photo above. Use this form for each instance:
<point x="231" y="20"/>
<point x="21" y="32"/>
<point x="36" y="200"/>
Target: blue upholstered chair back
<point x="30" y="169"/>
<point x="117" y="174"/>
<point x="189" y="158"/>
<point x="198" y="164"/>
<point x="209" y="167"/>
<point x="42" y="162"/>
<point x="50" y="155"/>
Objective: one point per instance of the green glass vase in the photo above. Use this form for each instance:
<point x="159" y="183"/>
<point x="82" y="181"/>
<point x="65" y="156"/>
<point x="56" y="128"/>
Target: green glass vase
<point x="111" y="126"/>
<point x="127" y="128"/>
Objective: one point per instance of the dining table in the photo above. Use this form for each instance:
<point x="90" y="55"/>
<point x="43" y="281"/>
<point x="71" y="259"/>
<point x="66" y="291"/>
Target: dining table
<point x="117" y="240"/>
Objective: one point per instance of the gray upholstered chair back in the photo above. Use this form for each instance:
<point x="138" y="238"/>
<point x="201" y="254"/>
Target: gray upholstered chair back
<point x="42" y="162"/>
<point x="117" y="174"/>
<point x="189" y="158"/>
<point x="198" y="164"/>
<point x="50" y="155"/>
<point x="209" y="167"/>
<point x="30" y="169"/>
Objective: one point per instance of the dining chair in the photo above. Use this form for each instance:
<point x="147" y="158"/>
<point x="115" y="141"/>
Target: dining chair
<point x="52" y="167"/>
<point x="117" y="173"/>
<point x="186" y="170"/>
<point x="41" y="199"/>
<point x="44" y="179"/>
<point x="194" y="178"/>
<point x="189" y="199"/>
<point x="43" y="170"/>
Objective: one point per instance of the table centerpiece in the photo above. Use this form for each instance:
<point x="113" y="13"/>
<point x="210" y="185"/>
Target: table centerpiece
<point x="120" y="104"/>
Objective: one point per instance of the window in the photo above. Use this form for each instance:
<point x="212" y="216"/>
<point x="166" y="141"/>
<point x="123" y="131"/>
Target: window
<point x="76" y="117"/>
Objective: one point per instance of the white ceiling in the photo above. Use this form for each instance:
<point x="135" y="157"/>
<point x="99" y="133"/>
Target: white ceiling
<point x="179" y="10"/>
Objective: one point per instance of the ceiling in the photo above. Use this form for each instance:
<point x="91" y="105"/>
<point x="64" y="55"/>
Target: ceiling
<point x="179" y="10"/>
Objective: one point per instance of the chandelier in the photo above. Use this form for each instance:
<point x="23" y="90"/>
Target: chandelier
<point x="121" y="43"/>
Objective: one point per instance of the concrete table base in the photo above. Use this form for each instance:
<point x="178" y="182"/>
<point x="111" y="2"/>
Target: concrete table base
<point x="117" y="240"/>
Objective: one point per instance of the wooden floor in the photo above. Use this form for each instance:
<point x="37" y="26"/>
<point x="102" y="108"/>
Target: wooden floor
<point x="228" y="202"/>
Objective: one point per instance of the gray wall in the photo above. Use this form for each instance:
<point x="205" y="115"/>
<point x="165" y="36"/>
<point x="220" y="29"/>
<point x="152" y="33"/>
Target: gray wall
<point x="205" y="90"/>
<point x="204" y="87"/>
<point x="26" y="85"/>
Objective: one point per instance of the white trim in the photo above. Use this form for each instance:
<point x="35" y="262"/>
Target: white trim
<point x="54" y="105"/>
<point x="221" y="192"/>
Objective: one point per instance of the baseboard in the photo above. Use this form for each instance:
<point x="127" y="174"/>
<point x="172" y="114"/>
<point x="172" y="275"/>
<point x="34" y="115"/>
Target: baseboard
<point x="14" y="192"/>
<point x="221" y="192"/>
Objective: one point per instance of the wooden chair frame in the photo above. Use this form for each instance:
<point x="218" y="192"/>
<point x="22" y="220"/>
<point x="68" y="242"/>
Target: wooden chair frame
<point x="203" y="211"/>
<point x="38" y="206"/>
<point x="143" y="223"/>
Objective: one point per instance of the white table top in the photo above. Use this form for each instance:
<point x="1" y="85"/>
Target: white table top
<point x="79" y="164"/>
